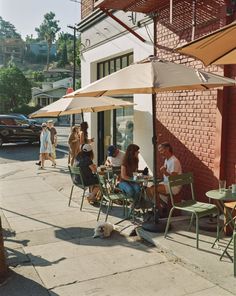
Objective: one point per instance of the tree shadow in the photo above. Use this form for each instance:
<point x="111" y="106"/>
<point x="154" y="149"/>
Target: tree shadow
<point x="19" y="285"/>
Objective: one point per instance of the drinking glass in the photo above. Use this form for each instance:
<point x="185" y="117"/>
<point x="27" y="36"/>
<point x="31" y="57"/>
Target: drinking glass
<point x="222" y="186"/>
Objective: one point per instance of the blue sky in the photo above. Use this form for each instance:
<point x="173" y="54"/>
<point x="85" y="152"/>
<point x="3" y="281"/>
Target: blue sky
<point x="25" y="15"/>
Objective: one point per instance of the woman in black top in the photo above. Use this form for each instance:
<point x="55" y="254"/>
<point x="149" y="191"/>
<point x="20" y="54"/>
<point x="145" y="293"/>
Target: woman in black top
<point x="84" y="160"/>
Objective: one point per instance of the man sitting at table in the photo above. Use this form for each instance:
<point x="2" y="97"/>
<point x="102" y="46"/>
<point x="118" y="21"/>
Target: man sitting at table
<point x="115" y="156"/>
<point x="171" y="167"/>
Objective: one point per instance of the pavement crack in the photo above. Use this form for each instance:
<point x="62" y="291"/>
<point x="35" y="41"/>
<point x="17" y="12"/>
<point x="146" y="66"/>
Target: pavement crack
<point x="106" y="276"/>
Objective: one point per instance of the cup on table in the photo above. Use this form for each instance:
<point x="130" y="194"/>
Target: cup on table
<point x="233" y="188"/>
<point x="222" y="186"/>
<point x="102" y="167"/>
<point x="135" y="176"/>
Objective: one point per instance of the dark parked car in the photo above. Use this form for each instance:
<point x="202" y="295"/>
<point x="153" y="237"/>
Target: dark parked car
<point x="14" y="129"/>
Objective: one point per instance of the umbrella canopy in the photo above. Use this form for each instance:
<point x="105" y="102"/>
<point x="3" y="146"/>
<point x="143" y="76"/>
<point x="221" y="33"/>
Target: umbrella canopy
<point x="216" y="48"/>
<point x="66" y="106"/>
<point x="152" y="76"/>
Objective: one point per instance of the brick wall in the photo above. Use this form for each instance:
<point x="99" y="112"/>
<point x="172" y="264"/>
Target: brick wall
<point x="86" y="8"/>
<point x="191" y="121"/>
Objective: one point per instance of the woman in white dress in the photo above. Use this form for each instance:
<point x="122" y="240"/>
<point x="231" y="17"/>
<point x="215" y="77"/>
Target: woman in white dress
<point x="45" y="146"/>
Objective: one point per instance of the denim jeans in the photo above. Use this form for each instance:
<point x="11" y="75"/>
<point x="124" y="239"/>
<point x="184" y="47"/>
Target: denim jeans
<point x="131" y="189"/>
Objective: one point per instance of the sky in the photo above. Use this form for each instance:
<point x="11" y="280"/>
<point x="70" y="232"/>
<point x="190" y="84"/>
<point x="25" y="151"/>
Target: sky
<point x="26" y="15"/>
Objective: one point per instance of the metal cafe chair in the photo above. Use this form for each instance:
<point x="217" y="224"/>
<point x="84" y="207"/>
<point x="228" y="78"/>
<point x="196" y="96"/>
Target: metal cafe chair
<point x="75" y="173"/>
<point x="195" y="208"/>
<point x="110" y="194"/>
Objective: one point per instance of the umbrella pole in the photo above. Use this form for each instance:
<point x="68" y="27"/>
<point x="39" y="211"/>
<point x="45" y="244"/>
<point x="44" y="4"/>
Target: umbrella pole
<point x="154" y="142"/>
<point x="82" y="116"/>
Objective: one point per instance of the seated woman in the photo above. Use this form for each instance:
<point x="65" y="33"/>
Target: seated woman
<point x="128" y="167"/>
<point x="84" y="160"/>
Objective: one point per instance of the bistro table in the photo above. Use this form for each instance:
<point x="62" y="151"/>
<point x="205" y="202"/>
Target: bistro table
<point x="222" y="197"/>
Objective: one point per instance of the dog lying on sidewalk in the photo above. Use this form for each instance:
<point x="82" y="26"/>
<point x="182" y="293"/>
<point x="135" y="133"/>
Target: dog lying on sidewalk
<point x="103" y="229"/>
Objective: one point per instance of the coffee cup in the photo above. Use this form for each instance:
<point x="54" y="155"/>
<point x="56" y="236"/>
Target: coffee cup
<point x="233" y="188"/>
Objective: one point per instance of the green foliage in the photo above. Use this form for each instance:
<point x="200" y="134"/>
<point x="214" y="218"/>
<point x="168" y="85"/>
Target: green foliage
<point x="47" y="31"/>
<point x="7" y="30"/>
<point x="15" y="89"/>
<point x="26" y="109"/>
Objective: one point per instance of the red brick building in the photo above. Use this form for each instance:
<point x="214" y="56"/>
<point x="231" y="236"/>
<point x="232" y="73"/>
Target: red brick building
<point x="200" y="125"/>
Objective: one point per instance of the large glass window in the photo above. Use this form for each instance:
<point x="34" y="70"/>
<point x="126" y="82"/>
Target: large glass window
<point x="116" y="126"/>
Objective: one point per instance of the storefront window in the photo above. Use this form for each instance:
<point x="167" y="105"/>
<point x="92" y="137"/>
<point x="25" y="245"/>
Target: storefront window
<point x="117" y="125"/>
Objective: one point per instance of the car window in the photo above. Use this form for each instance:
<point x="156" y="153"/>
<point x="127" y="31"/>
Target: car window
<point x="21" y="122"/>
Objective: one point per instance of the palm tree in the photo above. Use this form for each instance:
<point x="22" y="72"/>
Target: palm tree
<point x="47" y="31"/>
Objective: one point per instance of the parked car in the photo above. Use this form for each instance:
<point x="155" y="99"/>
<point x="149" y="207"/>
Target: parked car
<point x="15" y="129"/>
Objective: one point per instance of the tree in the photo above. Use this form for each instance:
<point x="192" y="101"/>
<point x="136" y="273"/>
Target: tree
<point x="7" y="30"/>
<point x="15" y="89"/>
<point x="63" y="43"/>
<point x="47" y="31"/>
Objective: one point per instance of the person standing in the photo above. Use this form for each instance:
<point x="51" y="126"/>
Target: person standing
<point x="83" y="134"/>
<point x="74" y="144"/>
<point x="53" y="135"/>
<point x="128" y="167"/>
<point x="45" y="146"/>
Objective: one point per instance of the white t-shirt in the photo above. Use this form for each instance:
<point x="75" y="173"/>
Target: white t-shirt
<point x="116" y="161"/>
<point x="172" y="165"/>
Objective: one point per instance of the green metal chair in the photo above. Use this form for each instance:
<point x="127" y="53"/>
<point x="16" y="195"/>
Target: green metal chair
<point x="109" y="195"/>
<point x="195" y="208"/>
<point x="75" y="173"/>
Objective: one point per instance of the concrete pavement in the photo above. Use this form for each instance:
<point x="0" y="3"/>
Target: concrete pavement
<point x="51" y="250"/>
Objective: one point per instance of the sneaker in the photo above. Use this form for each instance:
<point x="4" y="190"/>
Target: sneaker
<point x="38" y="163"/>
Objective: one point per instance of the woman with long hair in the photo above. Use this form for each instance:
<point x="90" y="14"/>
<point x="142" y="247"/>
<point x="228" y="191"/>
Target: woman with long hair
<point x="74" y="144"/>
<point x="45" y="146"/>
<point x="84" y="134"/>
<point x="128" y="167"/>
<point x="84" y="160"/>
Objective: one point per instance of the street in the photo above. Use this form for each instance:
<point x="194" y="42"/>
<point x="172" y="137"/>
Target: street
<point x="25" y="152"/>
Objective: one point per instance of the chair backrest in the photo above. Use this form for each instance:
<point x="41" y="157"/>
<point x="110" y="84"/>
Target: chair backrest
<point x="103" y="184"/>
<point x="76" y="176"/>
<point x="180" y="180"/>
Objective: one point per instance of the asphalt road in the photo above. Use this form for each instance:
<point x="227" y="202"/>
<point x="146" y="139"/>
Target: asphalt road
<point x="25" y="152"/>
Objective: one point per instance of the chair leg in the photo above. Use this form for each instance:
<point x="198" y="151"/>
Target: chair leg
<point x="197" y="230"/>
<point x="218" y="227"/>
<point x="100" y="208"/>
<point x="168" y="221"/>
<point x="71" y="192"/>
<point x="234" y="239"/>
<point x="191" y="222"/>
<point x="108" y="209"/>
<point x="82" y="201"/>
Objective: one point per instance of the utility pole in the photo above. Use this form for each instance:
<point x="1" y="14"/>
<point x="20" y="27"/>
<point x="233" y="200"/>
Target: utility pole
<point x="74" y="64"/>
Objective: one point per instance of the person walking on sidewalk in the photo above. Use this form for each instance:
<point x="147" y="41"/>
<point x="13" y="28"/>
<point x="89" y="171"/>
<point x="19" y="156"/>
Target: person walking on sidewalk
<point x="74" y="144"/>
<point x="45" y="146"/>
<point x="53" y="134"/>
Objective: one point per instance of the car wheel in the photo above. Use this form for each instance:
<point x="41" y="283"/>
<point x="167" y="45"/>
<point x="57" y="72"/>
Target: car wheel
<point x="1" y="141"/>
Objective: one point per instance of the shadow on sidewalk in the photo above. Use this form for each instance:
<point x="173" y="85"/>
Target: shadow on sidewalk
<point x="18" y="285"/>
<point x="85" y="236"/>
<point x="23" y="152"/>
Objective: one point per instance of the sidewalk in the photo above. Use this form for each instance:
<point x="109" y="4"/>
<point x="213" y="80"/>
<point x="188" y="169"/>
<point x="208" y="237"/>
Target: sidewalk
<point x="51" y="250"/>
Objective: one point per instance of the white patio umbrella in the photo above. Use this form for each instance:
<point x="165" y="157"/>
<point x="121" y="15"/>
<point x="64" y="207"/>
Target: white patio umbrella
<point x="67" y="106"/>
<point x="152" y="76"/>
<point x="218" y="47"/>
